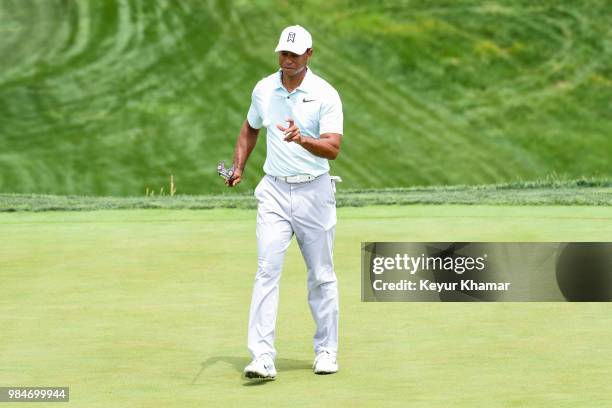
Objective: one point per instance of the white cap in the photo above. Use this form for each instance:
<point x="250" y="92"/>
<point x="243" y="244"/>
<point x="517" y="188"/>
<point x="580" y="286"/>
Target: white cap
<point x="294" y="39"/>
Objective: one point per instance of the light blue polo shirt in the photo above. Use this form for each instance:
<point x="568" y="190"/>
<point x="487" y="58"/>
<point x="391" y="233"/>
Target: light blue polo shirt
<point x="315" y="107"/>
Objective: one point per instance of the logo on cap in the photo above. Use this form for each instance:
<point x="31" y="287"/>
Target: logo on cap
<point x="291" y="37"/>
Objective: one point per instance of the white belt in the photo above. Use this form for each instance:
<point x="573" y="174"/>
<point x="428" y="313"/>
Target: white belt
<point x="300" y="178"/>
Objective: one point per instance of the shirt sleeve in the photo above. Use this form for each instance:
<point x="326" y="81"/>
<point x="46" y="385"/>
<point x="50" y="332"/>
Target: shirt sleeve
<point x="331" y="119"/>
<point x="253" y="117"/>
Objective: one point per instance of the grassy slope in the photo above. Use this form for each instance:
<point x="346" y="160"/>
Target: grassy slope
<point x="108" y="98"/>
<point x="149" y="308"/>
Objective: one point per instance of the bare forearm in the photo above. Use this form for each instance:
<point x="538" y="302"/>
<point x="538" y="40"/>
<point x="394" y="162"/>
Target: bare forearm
<point x="244" y="145"/>
<point x="324" y="147"/>
<point x="327" y="145"/>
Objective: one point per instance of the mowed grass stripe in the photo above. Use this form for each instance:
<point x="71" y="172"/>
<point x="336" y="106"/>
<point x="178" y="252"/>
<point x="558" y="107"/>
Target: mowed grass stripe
<point x="152" y="76"/>
<point x="435" y="130"/>
<point x="402" y="131"/>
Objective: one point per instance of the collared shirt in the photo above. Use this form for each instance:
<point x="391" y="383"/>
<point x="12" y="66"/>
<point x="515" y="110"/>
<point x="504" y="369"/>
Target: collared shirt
<point x="315" y="107"/>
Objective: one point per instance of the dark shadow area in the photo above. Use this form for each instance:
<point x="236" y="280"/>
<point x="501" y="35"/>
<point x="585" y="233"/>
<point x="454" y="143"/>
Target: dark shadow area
<point x="256" y="382"/>
<point x="238" y="363"/>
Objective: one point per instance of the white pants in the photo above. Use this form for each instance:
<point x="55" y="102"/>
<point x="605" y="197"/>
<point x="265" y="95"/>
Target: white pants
<point x="307" y="210"/>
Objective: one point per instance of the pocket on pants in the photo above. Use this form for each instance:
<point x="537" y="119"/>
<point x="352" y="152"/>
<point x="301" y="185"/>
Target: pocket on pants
<point x="328" y="196"/>
<point x="332" y="189"/>
<point x="257" y="191"/>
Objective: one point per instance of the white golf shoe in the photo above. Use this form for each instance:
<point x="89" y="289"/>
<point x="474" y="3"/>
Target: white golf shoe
<point x="261" y="367"/>
<point x="325" y="363"/>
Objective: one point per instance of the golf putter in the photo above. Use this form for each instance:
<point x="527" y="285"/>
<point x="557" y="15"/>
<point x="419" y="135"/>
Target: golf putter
<point x="223" y="172"/>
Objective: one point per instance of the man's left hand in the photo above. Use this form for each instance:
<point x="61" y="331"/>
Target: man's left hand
<point x="292" y="133"/>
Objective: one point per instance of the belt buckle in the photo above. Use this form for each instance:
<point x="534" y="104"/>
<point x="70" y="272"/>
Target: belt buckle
<point x="300" y="178"/>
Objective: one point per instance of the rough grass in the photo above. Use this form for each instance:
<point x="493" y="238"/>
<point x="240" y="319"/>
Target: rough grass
<point x="544" y="192"/>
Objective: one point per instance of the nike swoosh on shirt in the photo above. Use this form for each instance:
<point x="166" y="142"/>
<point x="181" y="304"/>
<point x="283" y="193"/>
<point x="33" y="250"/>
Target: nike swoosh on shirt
<point x="308" y="100"/>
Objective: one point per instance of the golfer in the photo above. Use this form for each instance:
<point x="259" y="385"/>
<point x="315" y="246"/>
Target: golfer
<point x="302" y="115"/>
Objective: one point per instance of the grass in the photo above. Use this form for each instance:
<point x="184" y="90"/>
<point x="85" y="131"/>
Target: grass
<point x="112" y="97"/>
<point x="149" y="308"/>
<point x="543" y="192"/>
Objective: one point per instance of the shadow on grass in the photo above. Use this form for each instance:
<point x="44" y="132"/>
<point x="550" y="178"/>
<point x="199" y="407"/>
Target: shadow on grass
<point x="238" y="363"/>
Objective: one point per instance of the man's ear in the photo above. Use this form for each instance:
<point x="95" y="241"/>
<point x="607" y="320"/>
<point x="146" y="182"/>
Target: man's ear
<point x="309" y="52"/>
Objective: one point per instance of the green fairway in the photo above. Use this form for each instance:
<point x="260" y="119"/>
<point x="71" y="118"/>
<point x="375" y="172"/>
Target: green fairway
<point x="148" y="308"/>
<point x="112" y="97"/>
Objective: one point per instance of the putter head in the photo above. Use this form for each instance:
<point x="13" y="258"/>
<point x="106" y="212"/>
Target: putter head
<point x="223" y="172"/>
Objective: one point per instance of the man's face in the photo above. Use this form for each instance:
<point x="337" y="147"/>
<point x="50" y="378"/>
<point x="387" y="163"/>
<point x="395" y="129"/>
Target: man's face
<point x="292" y="64"/>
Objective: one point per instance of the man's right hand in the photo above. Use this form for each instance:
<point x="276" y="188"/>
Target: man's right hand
<point x="236" y="178"/>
